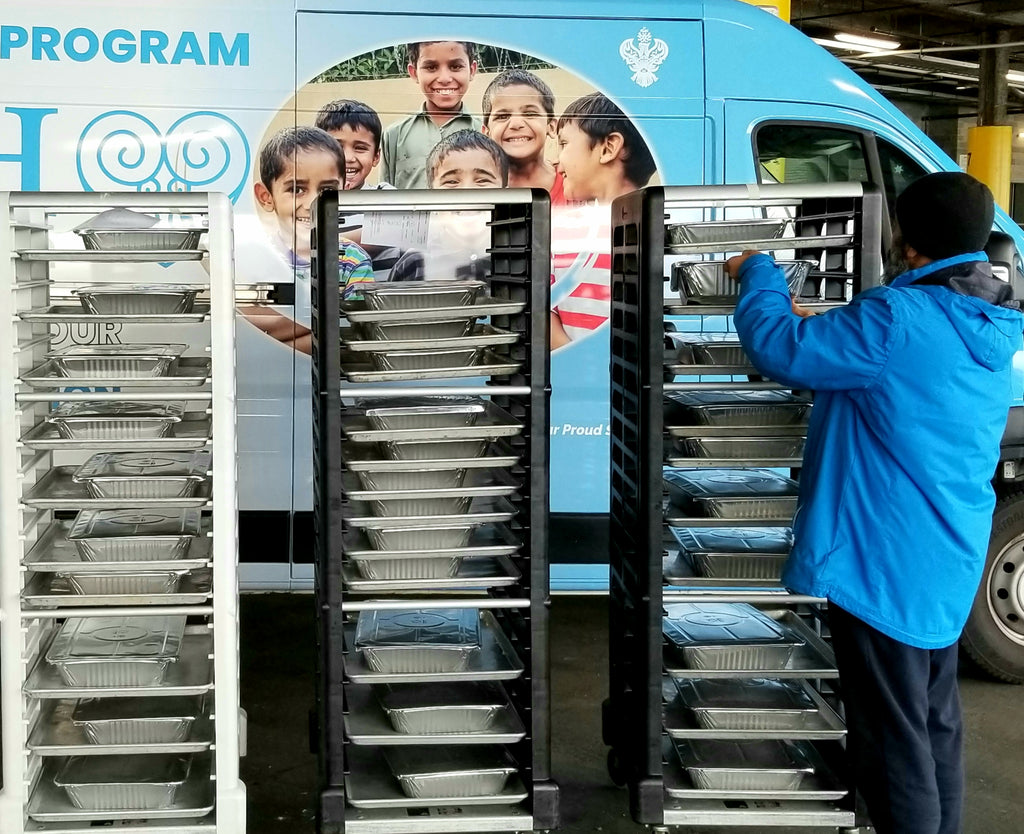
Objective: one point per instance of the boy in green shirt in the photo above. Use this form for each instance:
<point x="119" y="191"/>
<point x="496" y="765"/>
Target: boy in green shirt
<point x="443" y="70"/>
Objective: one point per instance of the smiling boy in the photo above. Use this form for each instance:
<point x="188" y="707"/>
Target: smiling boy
<point x="602" y="155"/>
<point x="358" y="130"/>
<point x="296" y="164"/>
<point x="600" y="151"/>
<point x="519" y="114"/>
<point x="468" y="159"/>
<point x="443" y="70"/>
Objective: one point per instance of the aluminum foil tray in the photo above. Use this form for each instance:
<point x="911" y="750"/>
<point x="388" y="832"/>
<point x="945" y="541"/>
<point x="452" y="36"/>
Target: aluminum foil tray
<point x="727" y="636"/>
<point x="742" y="448"/>
<point x="108" y="584"/>
<point x="412" y="479"/>
<point x="99" y="361"/>
<point x="359" y="313"/>
<point x="193" y="799"/>
<point x="398" y="331"/>
<point x="726" y="232"/>
<point x="54" y="553"/>
<point x="813" y="658"/>
<point x="732" y="493"/>
<point x="132" y="536"/>
<point x="484" y="363"/>
<point x="430" y="502"/>
<point x="428" y="772"/>
<point x="424" y="567"/>
<point x="57" y="490"/>
<point x="431" y="423"/>
<point x="121" y="783"/>
<point x="363" y="457"/>
<point x="111" y="256"/>
<point x="462" y="713"/>
<point x="105" y="368"/>
<point x="460" y="540"/>
<point x="64" y="313"/>
<point x="139" y="299"/>
<point x="420" y="295"/>
<point x="424" y="539"/>
<point x="191" y="432"/>
<point x="418" y="640"/>
<point x="481" y="511"/>
<point x="423" y="413"/>
<point x="190" y="371"/>
<point x="705" y="282"/>
<point x="190" y="674"/>
<point x="127" y="230"/>
<point x="754" y="704"/>
<point x="444" y="708"/>
<point x="762" y="765"/>
<point x="414" y="450"/>
<point x="725" y="716"/>
<point x="50" y="590"/>
<point x="737" y="408"/>
<point x="708" y="348"/>
<point x="736" y="553"/>
<point x="751" y="508"/>
<point x="107" y="420"/>
<point x="472" y="573"/>
<point x="144" y="239"/>
<point x="371" y="785"/>
<point x="425" y="360"/>
<point x="108" y="721"/>
<point x="121" y="726"/>
<point x="116" y="651"/>
<point x="132" y="475"/>
<point x="481" y="335"/>
<point x="496" y="659"/>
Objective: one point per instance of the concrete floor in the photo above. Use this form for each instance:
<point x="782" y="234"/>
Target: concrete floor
<point x="280" y="772"/>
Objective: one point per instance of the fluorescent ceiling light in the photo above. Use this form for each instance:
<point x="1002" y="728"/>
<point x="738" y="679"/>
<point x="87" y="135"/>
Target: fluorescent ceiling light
<point x="1015" y="77"/>
<point x="870" y="43"/>
<point x="831" y="43"/>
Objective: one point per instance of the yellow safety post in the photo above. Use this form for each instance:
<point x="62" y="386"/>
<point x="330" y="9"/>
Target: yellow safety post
<point x="989" y="150"/>
<point x="779" y="8"/>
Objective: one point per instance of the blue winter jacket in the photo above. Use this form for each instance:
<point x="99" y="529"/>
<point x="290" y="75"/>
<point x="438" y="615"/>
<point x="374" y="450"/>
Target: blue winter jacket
<point x="912" y="389"/>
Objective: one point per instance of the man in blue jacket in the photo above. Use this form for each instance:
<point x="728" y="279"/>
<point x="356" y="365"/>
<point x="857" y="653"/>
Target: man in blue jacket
<point x="912" y="389"/>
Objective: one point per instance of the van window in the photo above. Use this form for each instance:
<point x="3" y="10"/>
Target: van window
<point x="898" y="171"/>
<point x="802" y="153"/>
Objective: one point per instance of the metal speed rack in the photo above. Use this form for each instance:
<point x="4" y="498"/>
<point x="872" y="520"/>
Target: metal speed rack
<point x="431" y="523"/>
<point x="119" y="692"/>
<point x="701" y="513"/>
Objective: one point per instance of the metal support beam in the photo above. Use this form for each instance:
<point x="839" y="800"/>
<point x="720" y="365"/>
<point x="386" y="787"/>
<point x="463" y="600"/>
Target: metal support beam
<point x="992" y="91"/>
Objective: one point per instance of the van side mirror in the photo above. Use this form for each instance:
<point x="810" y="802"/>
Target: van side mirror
<point x="1006" y="261"/>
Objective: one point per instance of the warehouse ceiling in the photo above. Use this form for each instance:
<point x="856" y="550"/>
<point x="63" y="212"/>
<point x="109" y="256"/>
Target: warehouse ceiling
<point x="940" y="44"/>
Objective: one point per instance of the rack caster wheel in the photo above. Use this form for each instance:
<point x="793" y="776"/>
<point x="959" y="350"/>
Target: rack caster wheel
<point x="616" y="769"/>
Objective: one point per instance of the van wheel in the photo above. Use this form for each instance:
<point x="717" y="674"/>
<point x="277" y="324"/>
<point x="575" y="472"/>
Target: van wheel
<point x="994" y="635"/>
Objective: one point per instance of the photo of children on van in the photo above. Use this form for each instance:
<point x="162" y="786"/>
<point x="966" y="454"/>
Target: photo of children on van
<point x="456" y="114"/>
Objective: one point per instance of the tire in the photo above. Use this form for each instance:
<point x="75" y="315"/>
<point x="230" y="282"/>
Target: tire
<point x="994" y="635"/>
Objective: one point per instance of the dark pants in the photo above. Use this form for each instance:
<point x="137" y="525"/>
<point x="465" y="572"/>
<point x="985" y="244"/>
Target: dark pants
<point x="904" y="731"/>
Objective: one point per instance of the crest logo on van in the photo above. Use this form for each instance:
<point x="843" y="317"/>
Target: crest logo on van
<point x="644" y="54"/>
<point x="202" y="150"/>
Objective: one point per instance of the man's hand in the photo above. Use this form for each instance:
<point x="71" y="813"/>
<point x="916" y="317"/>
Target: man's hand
<point x="803" y="312"/>
<point x="732" y="266"/>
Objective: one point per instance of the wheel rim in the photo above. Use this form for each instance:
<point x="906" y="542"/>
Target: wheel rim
<point x="1005" y="583"/>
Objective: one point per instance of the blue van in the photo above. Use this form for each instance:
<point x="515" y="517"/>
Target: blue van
<point x="118" y="95"/>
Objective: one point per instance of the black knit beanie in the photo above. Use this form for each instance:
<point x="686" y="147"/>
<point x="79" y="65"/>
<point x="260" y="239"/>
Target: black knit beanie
<point x="945" y="214"/>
